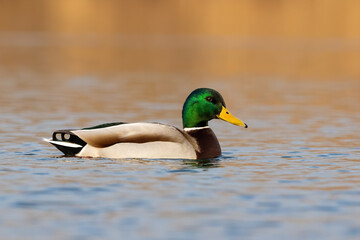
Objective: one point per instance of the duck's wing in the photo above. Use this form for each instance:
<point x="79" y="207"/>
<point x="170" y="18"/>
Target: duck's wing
<point x="131" y="133"/>
<point x="69" y="143"/>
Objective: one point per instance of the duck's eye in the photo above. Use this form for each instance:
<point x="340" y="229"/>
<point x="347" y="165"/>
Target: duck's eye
<point x="210" y="99"/>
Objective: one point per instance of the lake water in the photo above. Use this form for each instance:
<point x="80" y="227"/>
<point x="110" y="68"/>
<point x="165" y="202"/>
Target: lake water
<point x="293" y="174"/>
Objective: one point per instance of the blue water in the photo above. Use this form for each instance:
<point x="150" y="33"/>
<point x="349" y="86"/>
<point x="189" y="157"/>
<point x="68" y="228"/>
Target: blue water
<point x="248" y="193"/>
<point x="293" y="174"/>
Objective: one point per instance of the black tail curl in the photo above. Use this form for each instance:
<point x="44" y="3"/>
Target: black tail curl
<point x="67" y="136"/>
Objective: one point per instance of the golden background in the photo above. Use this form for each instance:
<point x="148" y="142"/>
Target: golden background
<point x="308" y="39"/>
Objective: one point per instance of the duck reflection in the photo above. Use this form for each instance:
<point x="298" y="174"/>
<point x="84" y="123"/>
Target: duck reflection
<point x="202" y="163"/>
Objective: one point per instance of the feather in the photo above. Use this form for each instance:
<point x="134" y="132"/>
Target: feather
<point x="130" y="133"/>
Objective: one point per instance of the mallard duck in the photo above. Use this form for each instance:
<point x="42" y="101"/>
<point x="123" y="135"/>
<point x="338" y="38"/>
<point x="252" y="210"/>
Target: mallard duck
<point x="153" y="140"/>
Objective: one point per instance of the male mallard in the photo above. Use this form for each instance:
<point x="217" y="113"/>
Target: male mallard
<point x="153" y="140"/>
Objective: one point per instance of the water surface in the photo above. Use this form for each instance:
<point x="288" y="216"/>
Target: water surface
<point x="293" y="174"/>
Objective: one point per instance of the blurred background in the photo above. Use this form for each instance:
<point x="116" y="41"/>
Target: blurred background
<point x="254" y="51"/>
<point x="289" y="39"/>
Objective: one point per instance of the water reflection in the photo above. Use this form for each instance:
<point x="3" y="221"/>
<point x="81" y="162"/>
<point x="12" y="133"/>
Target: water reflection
<point x="203" y="163"/>
<point x="173" y="164"/>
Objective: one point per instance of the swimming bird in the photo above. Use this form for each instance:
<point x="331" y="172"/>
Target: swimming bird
<point x="153" y="140"/>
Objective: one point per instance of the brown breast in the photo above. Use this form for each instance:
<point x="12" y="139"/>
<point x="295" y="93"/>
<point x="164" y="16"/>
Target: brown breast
<point x="208" y="144"/>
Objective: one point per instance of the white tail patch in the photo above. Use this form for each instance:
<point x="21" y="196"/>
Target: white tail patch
<point x="65" y="144"/>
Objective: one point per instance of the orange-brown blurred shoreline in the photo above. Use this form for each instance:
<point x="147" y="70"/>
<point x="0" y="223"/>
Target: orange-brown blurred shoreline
<point x="289" y="39"/>
<point x="258" y="18"/>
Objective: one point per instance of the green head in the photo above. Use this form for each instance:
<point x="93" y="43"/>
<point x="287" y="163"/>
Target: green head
<point x="204" y="104"/>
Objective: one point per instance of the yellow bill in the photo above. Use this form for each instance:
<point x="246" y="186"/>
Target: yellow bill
<point x="227" y="116"/>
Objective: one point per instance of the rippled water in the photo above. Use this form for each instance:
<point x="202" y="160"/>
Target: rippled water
<point x="293" y="174"/>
